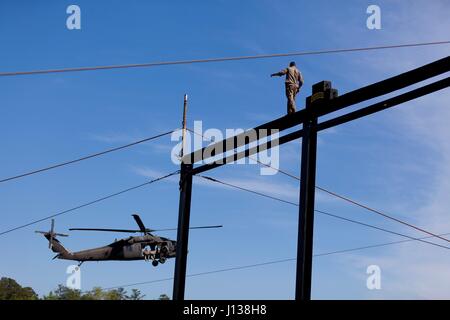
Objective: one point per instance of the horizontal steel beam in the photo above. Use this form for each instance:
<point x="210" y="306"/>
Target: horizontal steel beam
<point x="379" y="106"/>
<point x="365" y="93"/>
<point x="389" y="103"/>
<point x="248" y="152"/>
<point x="231" y="143"/>
<point x="383" y="87"/>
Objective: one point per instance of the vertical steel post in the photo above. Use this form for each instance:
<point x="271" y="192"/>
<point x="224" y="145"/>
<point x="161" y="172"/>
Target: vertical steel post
<point x="183" y="124"/>
<point x="184" y="212"/>
<point x="306" y="211"/>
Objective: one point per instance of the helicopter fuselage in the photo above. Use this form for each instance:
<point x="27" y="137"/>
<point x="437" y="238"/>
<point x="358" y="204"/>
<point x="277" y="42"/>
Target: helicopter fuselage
<point x="147" y="247"/>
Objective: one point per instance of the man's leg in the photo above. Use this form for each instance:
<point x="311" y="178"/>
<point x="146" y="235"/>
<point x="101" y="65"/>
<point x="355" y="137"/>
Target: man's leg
<point x="287" y="97"/>
<point x="294" y="94"/>
<point x="291" y="90"/>
<point x="292" y="108"/>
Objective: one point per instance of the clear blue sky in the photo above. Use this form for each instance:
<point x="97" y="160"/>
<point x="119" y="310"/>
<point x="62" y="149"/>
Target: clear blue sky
<point x="395" y="161"/>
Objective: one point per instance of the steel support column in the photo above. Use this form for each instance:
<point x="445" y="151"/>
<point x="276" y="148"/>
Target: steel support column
<point x="306" y="211"/>
<point x="184" y="212"/>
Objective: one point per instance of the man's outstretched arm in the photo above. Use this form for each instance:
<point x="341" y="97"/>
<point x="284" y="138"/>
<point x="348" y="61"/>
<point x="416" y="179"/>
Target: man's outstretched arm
<point x="279" y="74"/>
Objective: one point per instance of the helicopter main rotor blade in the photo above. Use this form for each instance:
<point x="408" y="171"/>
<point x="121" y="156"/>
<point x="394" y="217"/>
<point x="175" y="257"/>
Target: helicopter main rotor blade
<point x="135" y="231"/>
<point x="206" y="227"/>
<point x="108" y="230"/>
<point x="140" y="223"/>
<point x="201" y="227"/>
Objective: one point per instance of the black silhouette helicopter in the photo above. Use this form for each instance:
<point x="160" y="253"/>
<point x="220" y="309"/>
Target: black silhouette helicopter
<point x="148" y="247"/>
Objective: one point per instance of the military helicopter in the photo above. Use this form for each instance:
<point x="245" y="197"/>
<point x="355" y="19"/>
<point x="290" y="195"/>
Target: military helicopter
<point x="148" y="247"/>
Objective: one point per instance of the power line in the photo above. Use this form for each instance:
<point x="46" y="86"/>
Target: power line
<point x="320" y="211"/>
<point x="334" y="194"/>
<point x="381" y="229"/>
<point x="238" y="267"/>
<point x="205" y="273"/>
<point x="223" y="59"/>
<point x="361" y="205"/>
<point x="90" y="202"/>
<point x="290" y="259"/>
<point x="255" y="265"/>
<point x="85" y="157"/>
<point x="382" y="214"/>
<point x="373" y="246"/>
<point x="346" y="199"/>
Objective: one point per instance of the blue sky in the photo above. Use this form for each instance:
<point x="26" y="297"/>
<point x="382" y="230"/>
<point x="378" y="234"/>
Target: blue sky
<point x="395" y="161"/>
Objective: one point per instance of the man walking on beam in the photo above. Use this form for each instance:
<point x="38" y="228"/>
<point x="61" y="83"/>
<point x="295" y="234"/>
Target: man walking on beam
<point x="293" y="83"/>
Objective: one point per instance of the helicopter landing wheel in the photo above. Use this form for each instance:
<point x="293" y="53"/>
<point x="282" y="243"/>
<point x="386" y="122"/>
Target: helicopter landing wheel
<point x="162" y="260"/>
<point x="154" y="263"/>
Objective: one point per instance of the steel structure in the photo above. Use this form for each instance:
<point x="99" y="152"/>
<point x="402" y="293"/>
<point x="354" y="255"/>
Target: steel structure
<point x="323" y="101"/>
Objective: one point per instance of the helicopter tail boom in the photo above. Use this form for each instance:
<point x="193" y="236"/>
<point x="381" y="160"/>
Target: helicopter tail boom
<point x="54" y="243"/>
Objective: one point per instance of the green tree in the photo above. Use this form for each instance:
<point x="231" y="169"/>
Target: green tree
<point x="116" y="294"/>
<point x="135" y="295"/>
<point x="97" y="293"/>
<point x="163" y="297"/>
<point x="11" y="290"/>
<point x="64" y="293"/>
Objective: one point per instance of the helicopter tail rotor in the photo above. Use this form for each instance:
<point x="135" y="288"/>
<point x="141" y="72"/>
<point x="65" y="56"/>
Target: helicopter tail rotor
<point x="50" y="235"/>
